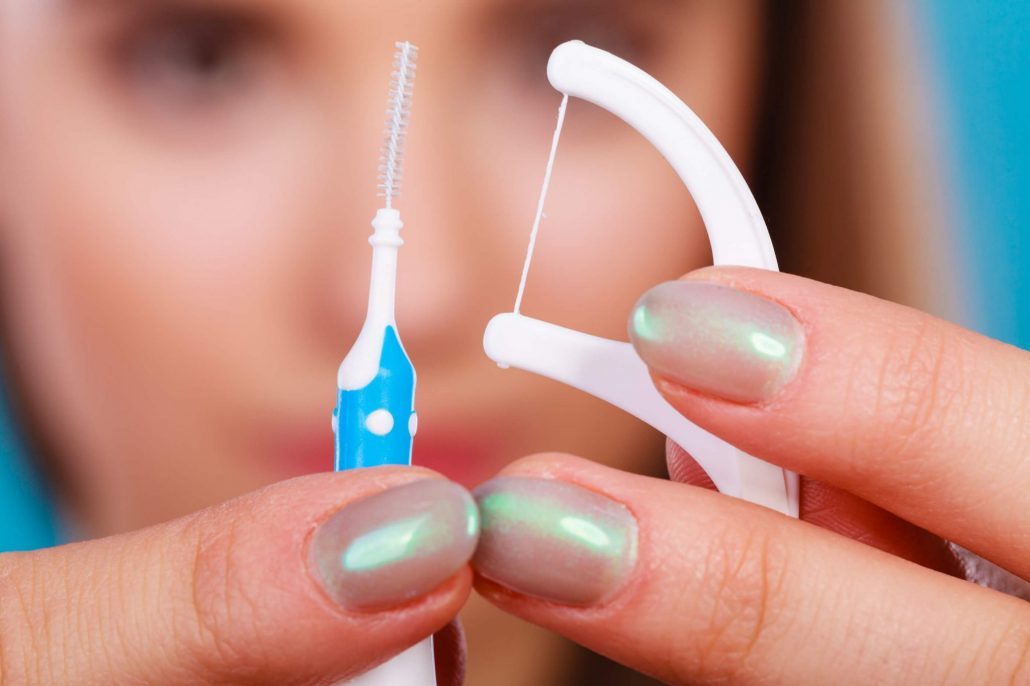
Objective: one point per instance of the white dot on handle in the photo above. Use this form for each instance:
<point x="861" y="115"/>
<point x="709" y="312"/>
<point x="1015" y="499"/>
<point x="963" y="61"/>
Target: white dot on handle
<point x="379" y="422"/>
<point x="413" y="424"/>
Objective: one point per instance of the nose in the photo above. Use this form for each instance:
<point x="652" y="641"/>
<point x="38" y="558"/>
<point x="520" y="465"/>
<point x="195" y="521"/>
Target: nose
<point x="438" y="271"/>
<point x="453" y="244"/>
<point x="447" y="249"/>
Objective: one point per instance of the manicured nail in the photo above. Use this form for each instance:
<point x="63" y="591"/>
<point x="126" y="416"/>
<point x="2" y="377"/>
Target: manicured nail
<point x="717" y="340"/>
<point x="395" y="546"/>
<point x="553" y="540"/>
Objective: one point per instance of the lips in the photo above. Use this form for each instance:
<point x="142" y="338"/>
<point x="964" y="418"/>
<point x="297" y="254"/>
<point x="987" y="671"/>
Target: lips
<point x="461" y="457"/>
<point x="464" y="458"/>
<point x="305" y="453"/>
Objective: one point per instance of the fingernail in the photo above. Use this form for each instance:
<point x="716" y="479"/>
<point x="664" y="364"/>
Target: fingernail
<point x="717" y="340"/>
<point x="553" y="540"/>
<point x="395" y="546"/>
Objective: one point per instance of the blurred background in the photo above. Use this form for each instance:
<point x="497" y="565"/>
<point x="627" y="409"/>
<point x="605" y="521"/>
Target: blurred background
<point x="980" y="57"/>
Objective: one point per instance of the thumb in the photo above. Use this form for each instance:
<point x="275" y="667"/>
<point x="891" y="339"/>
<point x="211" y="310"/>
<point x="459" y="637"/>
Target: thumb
<point x="314" y="579"/>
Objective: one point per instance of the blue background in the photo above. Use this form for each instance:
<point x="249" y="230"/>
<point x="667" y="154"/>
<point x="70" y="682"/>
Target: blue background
<point x="981" y="51"/>
<point x="982" y="54"/>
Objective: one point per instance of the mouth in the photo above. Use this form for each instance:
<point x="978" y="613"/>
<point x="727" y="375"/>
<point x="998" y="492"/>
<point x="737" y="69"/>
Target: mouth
<point x="460" y="456"/>
<point x="303" y="453"/>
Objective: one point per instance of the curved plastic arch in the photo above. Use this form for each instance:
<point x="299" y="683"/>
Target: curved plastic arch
<point x="611" y="370"/>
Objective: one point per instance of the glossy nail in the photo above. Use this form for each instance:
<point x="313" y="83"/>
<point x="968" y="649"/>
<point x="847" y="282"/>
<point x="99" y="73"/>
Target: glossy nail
<point x="395" y="546"/>
<point x="553" y="540"/>
<point x="717" y="340"/>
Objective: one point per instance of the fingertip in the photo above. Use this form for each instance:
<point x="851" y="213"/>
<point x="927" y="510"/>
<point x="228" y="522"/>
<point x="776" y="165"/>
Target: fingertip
<point x="557" y="466"/>
<point x="684" y="469"/>
<point x="394" y="546"/>
<point x="325" y="560"/>
<point x="543" y="463"/>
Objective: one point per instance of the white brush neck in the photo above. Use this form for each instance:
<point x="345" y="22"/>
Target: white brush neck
<point x="385" y="242"/>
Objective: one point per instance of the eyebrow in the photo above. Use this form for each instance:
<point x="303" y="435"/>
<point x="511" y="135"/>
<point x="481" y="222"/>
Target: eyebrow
<point x="144" y="8"/>
<point x="133" y="3"/>
<point x="150" y="5"/>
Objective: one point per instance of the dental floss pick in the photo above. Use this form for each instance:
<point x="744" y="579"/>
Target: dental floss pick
<point x="374" y="421"/>
<point x="611" y="370"/>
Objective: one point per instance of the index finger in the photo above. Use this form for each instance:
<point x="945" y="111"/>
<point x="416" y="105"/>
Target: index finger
<point x="917" y="415"/>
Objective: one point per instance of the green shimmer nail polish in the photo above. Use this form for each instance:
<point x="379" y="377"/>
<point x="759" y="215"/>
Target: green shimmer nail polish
<point x="554" y="540"/>
<point x="395" y="546"/>
<point x="717" y="340"/>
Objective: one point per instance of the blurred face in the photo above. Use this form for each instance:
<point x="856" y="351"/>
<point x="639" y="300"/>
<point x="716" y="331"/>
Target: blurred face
<point x="185" y="195"/>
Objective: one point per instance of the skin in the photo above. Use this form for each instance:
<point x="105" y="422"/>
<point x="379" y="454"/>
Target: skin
<point x="226" y="614"/>
<point x="183" y="256"/>
<point x="930" y="423"/>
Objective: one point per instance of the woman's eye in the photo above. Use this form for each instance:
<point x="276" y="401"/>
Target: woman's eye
<point x="609" y="25"/>
<point x="192" y="59"/>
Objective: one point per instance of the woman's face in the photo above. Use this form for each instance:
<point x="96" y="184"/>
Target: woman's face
<point x="185" y="195"/>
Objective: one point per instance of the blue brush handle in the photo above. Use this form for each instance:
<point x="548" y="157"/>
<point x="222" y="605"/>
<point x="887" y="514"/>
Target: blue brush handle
<point x="376" y="425"/>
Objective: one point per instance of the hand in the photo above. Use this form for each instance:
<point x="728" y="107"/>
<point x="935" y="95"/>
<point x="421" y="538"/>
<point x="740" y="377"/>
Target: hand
<point x="251" y="591"/>
<point x="907" y="425"/>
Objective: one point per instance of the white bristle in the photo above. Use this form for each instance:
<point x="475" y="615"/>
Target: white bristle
<point x="398" y="113"/>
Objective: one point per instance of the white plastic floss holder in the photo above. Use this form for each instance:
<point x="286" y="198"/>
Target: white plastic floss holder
<point x="611" y="370"/>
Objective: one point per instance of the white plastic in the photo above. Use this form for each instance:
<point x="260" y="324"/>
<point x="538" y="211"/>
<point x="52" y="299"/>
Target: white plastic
<point x="416" y="666"/>
<point x="611" y="370"/>
<point x="361" y="364"/>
